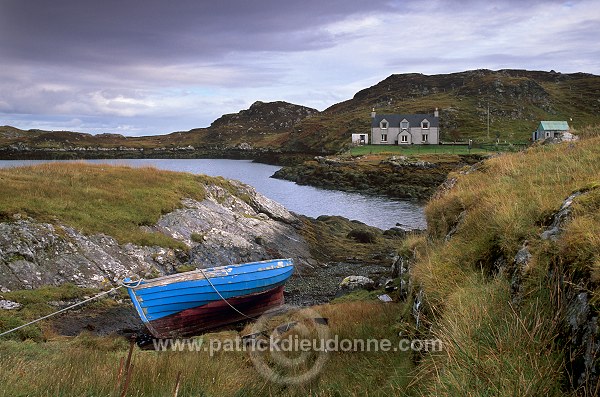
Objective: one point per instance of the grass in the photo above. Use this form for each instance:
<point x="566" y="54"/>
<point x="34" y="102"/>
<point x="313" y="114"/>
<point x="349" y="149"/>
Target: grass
<point x="37" y="303"/>
<point x="495" y="342"/>
<point x="414" y="149"/>
<point x="498" y="345"/>
<point x="87" y="365"/>
<point x="329" y="239"/>
<point x="113" y="200"/>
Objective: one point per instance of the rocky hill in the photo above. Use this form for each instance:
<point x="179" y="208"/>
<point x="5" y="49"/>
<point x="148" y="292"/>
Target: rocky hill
<point x="517" y="100"/>
<point x="248" y="133"/>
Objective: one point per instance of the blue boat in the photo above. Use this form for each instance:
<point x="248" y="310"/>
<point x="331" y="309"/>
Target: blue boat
<point x="190" y="303"/>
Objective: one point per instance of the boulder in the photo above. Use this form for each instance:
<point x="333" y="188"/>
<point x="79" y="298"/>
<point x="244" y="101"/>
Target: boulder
<point x="352" y="283"/>
<point x="8" y="305"/>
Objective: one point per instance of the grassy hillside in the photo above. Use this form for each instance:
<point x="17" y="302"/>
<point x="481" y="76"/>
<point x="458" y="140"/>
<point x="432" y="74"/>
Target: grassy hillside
<point x="517" y="99"/>
<point x="508" y="327"/>
<point x="114" y="200"/>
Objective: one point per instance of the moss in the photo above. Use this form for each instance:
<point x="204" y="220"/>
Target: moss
<point x="14" y="258"/>
<point x="154" y="273"/>
<point x="197" y="237"/>
<point x="358" y="295"/>
<point x="250" y="216"/>
<point x="35" y="305"/>
<point x="362" y="236"/>
<point x="185" y="268"/>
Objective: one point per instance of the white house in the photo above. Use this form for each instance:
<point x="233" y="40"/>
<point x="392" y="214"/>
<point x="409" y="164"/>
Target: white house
<point x="360" y="139"/>
<point x="405" y="129"/>
<point x="553" y="129"/>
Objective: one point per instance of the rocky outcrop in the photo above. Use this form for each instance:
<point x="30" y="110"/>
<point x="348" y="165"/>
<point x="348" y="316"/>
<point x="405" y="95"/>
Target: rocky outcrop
<point x="33" y="254"/>
<point x="264" y="117"/>
<point x="222" y="229"/>
<point x="397" y="177"/>
<point x="581" y="332"/>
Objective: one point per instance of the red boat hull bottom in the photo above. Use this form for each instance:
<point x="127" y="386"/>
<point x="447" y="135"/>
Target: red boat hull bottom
<point x="216" y="314"/>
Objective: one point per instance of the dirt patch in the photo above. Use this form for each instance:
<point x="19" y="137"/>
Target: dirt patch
<point x="120" y="319"/>
<point x="321" y="284"/>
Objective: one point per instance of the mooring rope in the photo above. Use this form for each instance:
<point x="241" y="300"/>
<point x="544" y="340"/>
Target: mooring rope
<point x="223" y="298"/>
<point x="62" y="310"/>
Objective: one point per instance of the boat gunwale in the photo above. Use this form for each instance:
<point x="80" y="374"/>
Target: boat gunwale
<point x="199" y="274"/>
<point x="193" y="290"/>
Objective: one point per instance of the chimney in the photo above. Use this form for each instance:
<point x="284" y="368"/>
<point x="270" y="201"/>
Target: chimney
<point x="436" y="113"/>
<point x="373" y="113"/>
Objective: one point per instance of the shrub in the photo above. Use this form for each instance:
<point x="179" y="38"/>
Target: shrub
<point x="363" y="236"/>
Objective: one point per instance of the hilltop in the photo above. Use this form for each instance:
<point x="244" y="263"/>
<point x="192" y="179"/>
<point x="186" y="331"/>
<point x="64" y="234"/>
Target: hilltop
<point x="517" y="101"/>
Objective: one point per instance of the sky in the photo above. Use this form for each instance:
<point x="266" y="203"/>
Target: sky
<point x="146" y="67"/>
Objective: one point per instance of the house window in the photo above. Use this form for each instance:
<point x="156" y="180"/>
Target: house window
<point x="404" y="139"/>
<point x="404" y="125"/>
<point x="384" y="125"/>
<point x="424" y="137"/>
<point x="425" y="124"/>
<point x="383" y="137"/>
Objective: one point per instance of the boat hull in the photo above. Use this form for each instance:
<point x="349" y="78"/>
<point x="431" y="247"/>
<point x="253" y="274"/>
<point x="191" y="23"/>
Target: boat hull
<point x="215" y="314"/>
<point x="194" y="302"/>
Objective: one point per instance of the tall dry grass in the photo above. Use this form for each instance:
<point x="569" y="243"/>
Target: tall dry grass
<point x="88" y="366"/>
<point x="498" y="345"/>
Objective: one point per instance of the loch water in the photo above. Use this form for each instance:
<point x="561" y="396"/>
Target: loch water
<point x="380" y="212"/>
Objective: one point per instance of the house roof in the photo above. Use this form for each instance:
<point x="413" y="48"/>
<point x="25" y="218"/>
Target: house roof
<point x="554" y="126"/>
<point x="413" y="119"/>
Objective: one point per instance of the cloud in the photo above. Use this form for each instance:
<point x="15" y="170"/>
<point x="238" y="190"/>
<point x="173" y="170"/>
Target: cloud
<point x="150" y="66"/>
<point x="125" y="32"/>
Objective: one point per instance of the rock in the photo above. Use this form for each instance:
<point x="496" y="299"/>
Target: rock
<point x="389" y="285"/>
<point x="520" y="264"/>
<point x="559" y="218"/>
<point x="8" y="305"/>
<point x="456" y="225"/>
<point x="583" y="341"/>
<point x="385" y="298"/>
<point x="352" y="283"/>
<point x="581" y="333"/>
<point x="403" y="289"/>
<point x="417" y="308"/>
<point x="362" y="236"/>
<point x="395" y="232"/>
<point x="399" y="266"/>
<point x="237" y="228"/>
<point x="35" y="254"/>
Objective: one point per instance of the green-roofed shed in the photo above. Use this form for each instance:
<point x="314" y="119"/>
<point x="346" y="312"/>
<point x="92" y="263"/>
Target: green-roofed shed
<point x="551" y="129"/>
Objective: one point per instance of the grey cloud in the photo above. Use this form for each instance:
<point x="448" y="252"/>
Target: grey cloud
<point x="119" y="32"/>
<point x="152" y="66"/>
